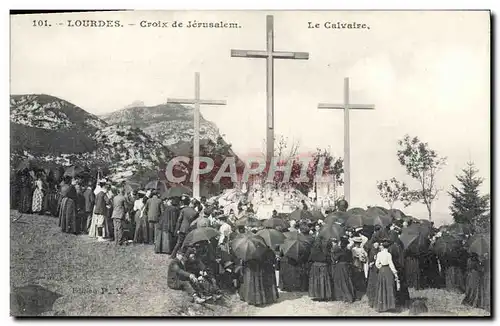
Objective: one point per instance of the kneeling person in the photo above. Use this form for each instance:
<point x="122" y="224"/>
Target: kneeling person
<point x="180" y="279"/>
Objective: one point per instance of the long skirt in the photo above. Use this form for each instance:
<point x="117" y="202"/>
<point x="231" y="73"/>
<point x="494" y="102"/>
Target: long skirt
<point x="413" y="273"/>
<point x="292" y="275"/>
<point x="37" y="203"/>
<point x="164" y="241"/>
<point x="254" y="289"/>
<point x="455" y="279"/>
<point x="97" y="222"/>
<point x="50" y="203"/>
<point x="431" y="273"/>
<point x="359" y="282"/>
<point x="403" y="295"/>
<point x="67" y="216"/>
<point x="343" y="288"/>
<point x="141" y="234"/>
<point x="474" y="295"/>
<point x="320" y="283"/>
<point x="371" y="287"/>
<point x="25" y="201"/>
<point x="385" y="296"/>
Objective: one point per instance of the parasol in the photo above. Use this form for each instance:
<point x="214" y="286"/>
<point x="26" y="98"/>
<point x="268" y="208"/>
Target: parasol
<point x="459" y="228"/>
<point x="300" y="214"/>
<point x="340" y="217"/>
<point x="248" y="246"/>
<point x="317" y="215"/>
<point x="294" y="235"/>
<point x="480" y="244"/>
<point x="383" y="220"/>
<point x="356" y="211"/>
<point x="200" y="234"/>
<point x="331" y="231"/>
<point x="446" y="244"/>
<point x="271" y="237"/>
<point x="414" y="242"/>
<point x="25" y="165"/>
<point x="248" y="220"/>
<point x="295" y="248"/>
<point x="355" y="221"/>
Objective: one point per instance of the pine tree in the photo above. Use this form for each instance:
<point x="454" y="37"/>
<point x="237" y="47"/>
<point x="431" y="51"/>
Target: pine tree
<point x="468" y="205"/>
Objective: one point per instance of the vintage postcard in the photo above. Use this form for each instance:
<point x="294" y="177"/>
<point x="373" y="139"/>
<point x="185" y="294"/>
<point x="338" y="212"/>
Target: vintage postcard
<point x="250" y="163"/>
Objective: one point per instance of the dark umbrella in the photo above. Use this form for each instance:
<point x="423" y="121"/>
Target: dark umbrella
<point x="356" y="211"/>
<point x="384" y="220"/>
<point x="332" y="231"/>
<point x="272" y="237"/>
<point x="396" y="214"/>
<point x="340" y="217"/>
<point x="275" y="222"/>
<point x="480" y="244"/>
<point x="446" y="244"/>
<point x="459" y="228"/>
<point x="248" y="246"/>
<point x="317" y="215"/>
<point x="295" y="249"/>
<point x="73" y="171"/>
<point x="300" y="214"/>
<point x="200" y="234"/>
<point x="414" y="243"/>
<point x="424" y="229"/>
<point x="160" y="186"/>
<point x="178" y="191"/>
<point x="355" y="221"/>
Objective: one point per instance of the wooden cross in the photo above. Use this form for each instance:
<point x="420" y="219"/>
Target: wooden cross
<point x="347" y="152"/>
<point x="269" y="54"/>
<point x="196" y="139"/>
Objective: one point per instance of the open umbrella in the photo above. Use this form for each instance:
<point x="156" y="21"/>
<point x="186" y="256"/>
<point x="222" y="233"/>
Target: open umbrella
<point x="383" y="220"/>
<point x="446" y="244"/>
<point x="332" y="231"/>
<point x="73" y="171"/>
<point x="459" y="228"/>
<point x="355" y="221"/>
<point x="248" y="246"/>
<point x="272" y="237"/>
<point x="396" y="214"/>
<point x="200" y="234"/>
<point x="340" y="217"/>
<point x="480" y="244"/>
<point x="300" y="214"/>
<point x="356" y="211"/>
<point x="295" y="248"/>
<point x="317" y="215"/>
<point x="275" y="222"/>
<point x="414" y="242"/>
<point x="178" y="191"/>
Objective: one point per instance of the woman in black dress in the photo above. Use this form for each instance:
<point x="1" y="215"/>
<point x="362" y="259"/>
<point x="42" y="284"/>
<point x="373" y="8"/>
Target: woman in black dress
<point x="343" y="288"/>
<point x="320" y="285"/>
<point x="371" y="287"/>
<point x="474" y="286"/>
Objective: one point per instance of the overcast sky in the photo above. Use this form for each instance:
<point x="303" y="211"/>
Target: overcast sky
<point x="426" y="72"/>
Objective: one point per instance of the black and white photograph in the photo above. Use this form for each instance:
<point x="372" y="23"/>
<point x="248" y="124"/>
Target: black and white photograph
<point x="257" y="163"/>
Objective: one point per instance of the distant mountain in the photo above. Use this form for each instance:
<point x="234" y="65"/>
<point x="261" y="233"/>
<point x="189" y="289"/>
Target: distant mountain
<point x="53" y="131"/>
<point x="170" y="124"/>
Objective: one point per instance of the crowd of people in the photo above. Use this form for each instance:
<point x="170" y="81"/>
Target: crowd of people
<point x="215" y="251"/>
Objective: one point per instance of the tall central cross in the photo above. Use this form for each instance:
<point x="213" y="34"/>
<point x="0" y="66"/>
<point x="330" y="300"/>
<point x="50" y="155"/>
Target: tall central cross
<point x="196" y="139"/>
<point x="270" y="55"/>
<point x="347" y="150"/>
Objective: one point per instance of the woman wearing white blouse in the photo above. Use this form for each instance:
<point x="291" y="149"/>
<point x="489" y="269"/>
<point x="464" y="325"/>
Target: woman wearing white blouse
<point x="385" y="295"/>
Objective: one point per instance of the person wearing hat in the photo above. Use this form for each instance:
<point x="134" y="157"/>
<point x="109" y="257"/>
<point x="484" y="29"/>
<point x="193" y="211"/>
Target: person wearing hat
<point x="187" y="215"/>
<point x="387" y="280"/>
<point x="178" y="278"/>
<point x="141" y="221"/>
<point x="165" y="228"/>
<point x="224" y="230"/>
<point x="360" y="257"/>
<point x="371" y="286"/>
<point x="102" y="201"/>
<point x="120" y="206"/>
<point x="89" y="198"/>
<point x="153" y="210"/>
<point x="341" y="259"/>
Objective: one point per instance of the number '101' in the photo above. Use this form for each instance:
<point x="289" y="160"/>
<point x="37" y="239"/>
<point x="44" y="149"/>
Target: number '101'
<point x="40" y="23"/>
